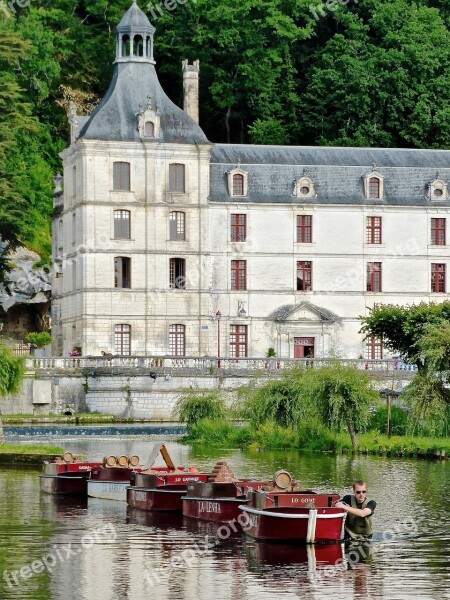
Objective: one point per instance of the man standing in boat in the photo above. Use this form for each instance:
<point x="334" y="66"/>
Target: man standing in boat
<point x="359" y="509"/>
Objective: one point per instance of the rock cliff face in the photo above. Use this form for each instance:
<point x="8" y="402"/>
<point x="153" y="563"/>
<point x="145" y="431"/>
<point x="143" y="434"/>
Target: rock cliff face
<point x="26" y="297"/>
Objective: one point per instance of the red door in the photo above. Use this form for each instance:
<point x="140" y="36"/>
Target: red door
<point x="303" y="347"/>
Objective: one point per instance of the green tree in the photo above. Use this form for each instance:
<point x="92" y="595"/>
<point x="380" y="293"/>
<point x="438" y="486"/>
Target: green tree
<point x="341" y="396"/>
<point x="12" y="369"/>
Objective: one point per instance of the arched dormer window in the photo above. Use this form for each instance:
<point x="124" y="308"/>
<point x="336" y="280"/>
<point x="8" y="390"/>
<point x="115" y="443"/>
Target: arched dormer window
<point x="374" y="186"/>
<point x="437" y="190"/>
<point x="148" y="121"/>
<point x="304" y="188"/>
<point x="149" y="129"/>
<point x="237" y="182"/>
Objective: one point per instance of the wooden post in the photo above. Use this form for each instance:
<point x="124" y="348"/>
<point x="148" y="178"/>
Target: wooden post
<point x="389" y="415"/>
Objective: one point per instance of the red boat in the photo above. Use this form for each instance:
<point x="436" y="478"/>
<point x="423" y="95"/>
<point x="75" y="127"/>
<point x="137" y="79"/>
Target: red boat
<point x="160" y="491"/>
<point x="293" y="516"/>
<point x="66" y="476"/>
<point x="218" y="502"/>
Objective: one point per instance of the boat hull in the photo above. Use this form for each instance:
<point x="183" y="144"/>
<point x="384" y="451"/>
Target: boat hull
<point x="63" y="485"/>
<point x="219" y="510"/>
<point x="107" y="490"/>
<point x="165" y="498"/>
<point x="301" y="525"/>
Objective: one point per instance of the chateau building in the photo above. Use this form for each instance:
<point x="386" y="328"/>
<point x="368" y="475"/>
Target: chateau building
<point x="168" y="244"/>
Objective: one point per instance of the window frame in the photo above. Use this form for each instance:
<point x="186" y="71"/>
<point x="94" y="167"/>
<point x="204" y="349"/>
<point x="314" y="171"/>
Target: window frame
<point x="238" y="345"/>
<point x="122" y="272"/>
<point x="374" y="348"/>
<point x="304" y="283"/>
<point x="438" y="285"/>
<point x="177" y="273"/>
<point x="177" y="178"/>
<point x="121" y="176"/>
<point x="123" y="335"/>
<point x="178" y="217"/>
<point x="238" y="275"/>
<point x="374" y="231"/>
<point x="177" y="339"/>
<point x="374" y="283"/>
<point x="119" y="220"/>
<point x="238" y="227"/>
<point x="304" y="229"/>
<point x="438" y="230"/>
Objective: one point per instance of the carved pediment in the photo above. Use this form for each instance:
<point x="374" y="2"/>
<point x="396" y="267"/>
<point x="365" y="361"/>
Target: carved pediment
<point x="305" y="311"/>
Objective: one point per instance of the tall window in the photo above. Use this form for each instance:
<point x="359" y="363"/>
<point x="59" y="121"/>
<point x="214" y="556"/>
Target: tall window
<point x="374" y="349"/>
<point x="304" y="275"/>
<point x="304" y="229"/>
<point x="374" y="188"/>
<point x="122" y="272"/>
<point x="177" y="273"/>
<point x="177" y="340"/>
<point x="238" y="274"/>
<point x="238" y="228"/>
<point x="74" y="181"/>
<point x="121" y="176"/>
<point x="238" y="185"/>
<point x="149" y="129"/>
<point x="373" y="230"/>
<point x="177" y="226"/>
<point x="60" y="235"/>
<point x="176" y="177"/>
<point x="438" y="278"/>
<point x="438" y="232"/>
<point x="238" y="341"/>
<point x="374" y="277"/>
<point x="121" y="224"/>
<point x="122" y="339"/>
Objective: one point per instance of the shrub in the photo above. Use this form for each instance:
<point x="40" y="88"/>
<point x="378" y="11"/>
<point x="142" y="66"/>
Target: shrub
<point x="195" y="405"/>
<point x="211" y="432"/>
<point x="378" y="420"/>
<point x="39" y="339"/>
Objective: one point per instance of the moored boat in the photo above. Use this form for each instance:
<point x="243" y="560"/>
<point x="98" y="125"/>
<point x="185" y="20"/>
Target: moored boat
<point x="66" y="476"/>
<point x="160" y="491"/>
<point x="293" y="516"/>
<point x="219" y="498"/>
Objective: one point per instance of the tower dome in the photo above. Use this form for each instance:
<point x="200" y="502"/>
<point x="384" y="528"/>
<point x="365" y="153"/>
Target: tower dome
<point x="134" y="41"/>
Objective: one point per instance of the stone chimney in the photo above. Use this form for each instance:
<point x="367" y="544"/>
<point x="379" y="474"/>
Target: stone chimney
<point x="190" y="88"/>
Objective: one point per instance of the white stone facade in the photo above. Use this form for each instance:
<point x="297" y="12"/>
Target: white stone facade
<point x="323" y="318"/>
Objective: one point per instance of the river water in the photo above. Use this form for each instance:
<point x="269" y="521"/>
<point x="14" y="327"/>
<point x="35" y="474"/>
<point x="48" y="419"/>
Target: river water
<point x="94" y="549"/>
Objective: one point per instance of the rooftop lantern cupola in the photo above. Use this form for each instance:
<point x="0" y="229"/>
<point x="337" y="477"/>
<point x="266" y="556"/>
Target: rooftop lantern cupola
<point x="134" y="37"/>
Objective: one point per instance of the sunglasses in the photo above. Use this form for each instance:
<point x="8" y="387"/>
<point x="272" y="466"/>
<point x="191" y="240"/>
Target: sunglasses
<point x="361" y="492"/>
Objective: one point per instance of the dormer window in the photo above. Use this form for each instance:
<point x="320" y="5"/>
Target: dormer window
<point x="374" y="186"/>
<point x="148" y="121"/>
<point x="304" y="188"/>
<point x="149" y="129"/>
<point x="437" y="190"/>
<point x="237" y="182"/>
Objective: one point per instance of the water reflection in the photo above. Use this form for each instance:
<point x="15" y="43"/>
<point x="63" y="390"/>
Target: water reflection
<point x="140" y="558"/>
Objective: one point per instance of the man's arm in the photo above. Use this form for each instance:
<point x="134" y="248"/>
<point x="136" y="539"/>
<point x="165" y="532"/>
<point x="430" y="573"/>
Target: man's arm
<point x="358" y="512"/>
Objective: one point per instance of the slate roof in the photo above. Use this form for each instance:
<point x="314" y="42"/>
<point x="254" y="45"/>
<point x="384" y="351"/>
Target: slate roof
<point x="135" y="19"/>
<point x="115" y="118"/>
<point x="338" y="173"/>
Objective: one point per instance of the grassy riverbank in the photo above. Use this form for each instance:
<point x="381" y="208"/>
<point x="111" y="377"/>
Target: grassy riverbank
<point x="313" y="437"/>
<point x="12" y="454"/>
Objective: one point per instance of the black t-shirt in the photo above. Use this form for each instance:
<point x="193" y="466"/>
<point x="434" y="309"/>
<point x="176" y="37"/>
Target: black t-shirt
<point x="371" y="504"/>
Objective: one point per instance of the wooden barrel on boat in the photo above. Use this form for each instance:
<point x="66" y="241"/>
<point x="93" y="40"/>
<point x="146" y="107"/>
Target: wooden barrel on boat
<point x="282" y="479"/>
<point x="122" y="460"/>
<point x="109" y="461"/>
<point x="133" y="461"/>
<point x="69" y="457"/>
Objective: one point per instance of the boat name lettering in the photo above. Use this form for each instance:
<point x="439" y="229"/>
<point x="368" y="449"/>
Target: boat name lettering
<point x="184" y="479"/>
<point x="84" y="468"/>
<point x="311" y="500"/>
<point x="140" y="496"/>
<point x="209" y="507"/>
<point x="111" y="487"/>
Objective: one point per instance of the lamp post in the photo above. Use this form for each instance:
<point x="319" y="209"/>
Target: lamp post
<point x="218" y="315"/>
